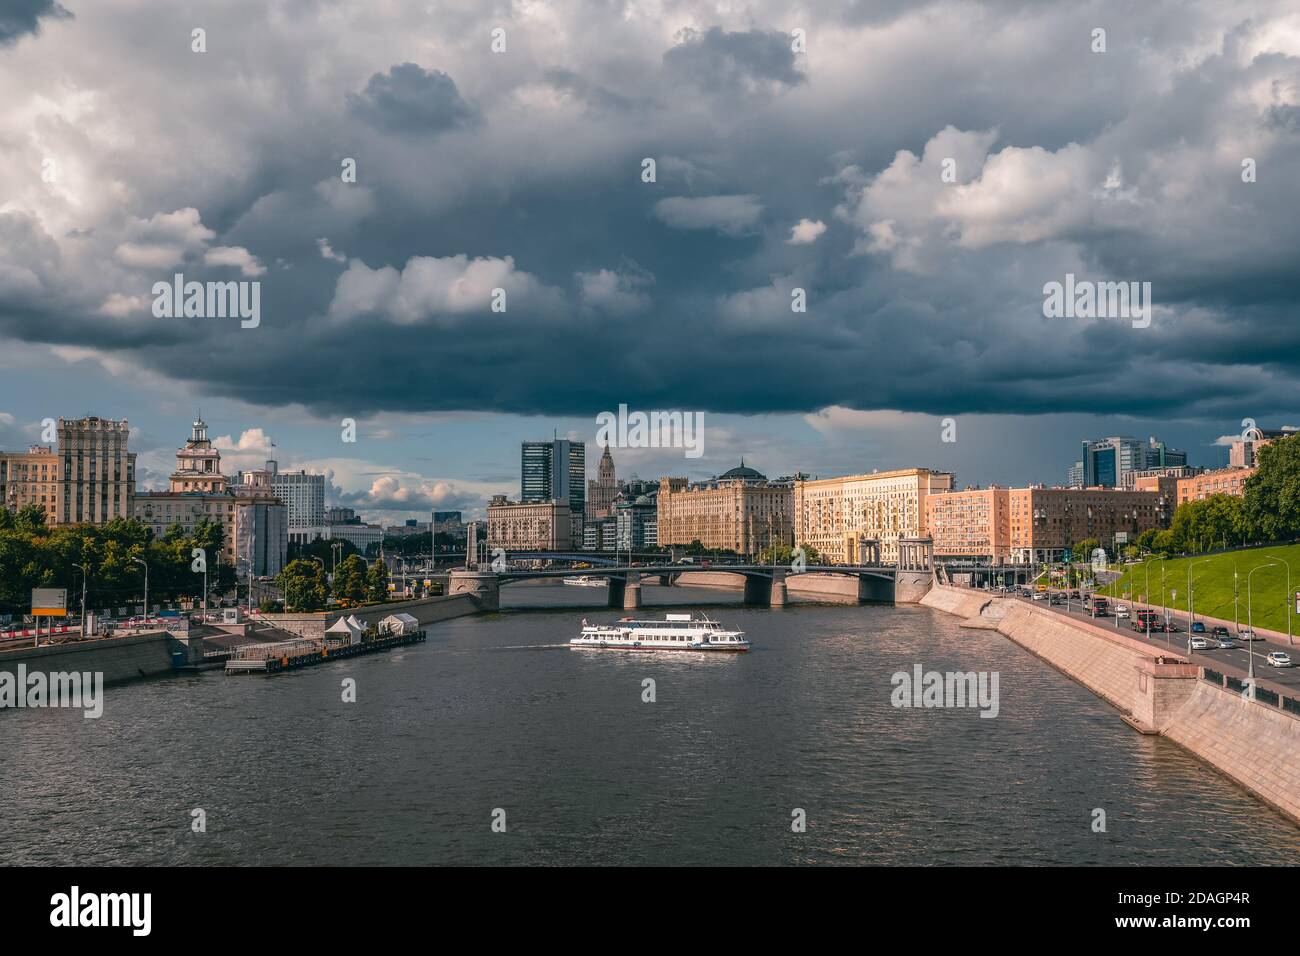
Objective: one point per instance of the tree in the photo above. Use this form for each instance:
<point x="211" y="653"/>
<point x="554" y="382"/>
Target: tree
<point x="303" y="584"/>
<point x="1271" y="508"/>
<point x="350" y="579"/>
<point x="1082" y="550"/>
<point x="377" y="581"/>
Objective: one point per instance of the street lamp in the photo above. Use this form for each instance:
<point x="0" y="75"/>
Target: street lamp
<point x="1290" y="597"/>
<point x="1191" y="614"/>
<point x="83" y="604"/>
<point x="1250" y="623"/>
<point x="146" y="586"/>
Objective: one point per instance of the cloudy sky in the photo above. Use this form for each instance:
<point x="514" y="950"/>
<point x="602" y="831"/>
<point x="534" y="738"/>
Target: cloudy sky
<point x="795" y="147"/>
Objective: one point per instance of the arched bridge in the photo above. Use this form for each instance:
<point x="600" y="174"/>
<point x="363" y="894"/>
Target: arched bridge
<point x="765" y="584"/>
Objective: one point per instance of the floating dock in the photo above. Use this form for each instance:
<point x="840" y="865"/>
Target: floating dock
<point x="288" y="655"/>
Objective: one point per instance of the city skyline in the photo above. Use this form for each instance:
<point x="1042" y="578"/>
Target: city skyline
<point x="845" y="442"/>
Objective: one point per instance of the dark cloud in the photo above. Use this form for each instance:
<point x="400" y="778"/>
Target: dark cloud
<point x="410" y="100"/>
<point x="716" y="60"/>
<point x="922" y="296"/>
<point x="18" y="17"/>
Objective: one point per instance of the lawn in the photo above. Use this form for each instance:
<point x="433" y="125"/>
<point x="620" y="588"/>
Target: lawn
<point x="1212" y="581"/>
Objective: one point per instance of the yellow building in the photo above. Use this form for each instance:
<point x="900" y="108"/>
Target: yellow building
<point x="840" y="516"/>
<point x="739" y="511"/>
<point x="30" y="478"/>
<point x="529" y="525"/>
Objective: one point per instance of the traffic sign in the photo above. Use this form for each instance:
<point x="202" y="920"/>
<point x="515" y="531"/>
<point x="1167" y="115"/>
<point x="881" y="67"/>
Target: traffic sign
<point x="50" y="602"/>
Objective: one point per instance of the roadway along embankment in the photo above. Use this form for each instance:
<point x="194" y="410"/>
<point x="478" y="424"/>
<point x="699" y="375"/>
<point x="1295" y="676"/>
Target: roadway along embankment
<point x="1251" y="742"/>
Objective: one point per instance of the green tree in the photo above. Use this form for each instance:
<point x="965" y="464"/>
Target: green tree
<point x="303" y="584"/>
<point x="1271" y="508"/>
<point x="350" y="579"/>
<point x="1082" y="550"/>
<point x="377" y="581"/>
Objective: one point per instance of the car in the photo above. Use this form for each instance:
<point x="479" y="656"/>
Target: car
<point x="1173" y="628"/>
<point x="1248" y="634"/>
<point x="1121" y="611"/>
<point x="1198" y="627"/>
<point x="1228" y="643"/>
<point x="1278" y="659"/>
<point x="1040" y="596"/>
<point x="1200" y="644"/>
<point x="1218" y="632"/>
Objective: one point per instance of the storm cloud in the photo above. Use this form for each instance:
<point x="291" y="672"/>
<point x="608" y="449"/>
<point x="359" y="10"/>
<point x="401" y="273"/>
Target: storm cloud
<point x="919" y="172"/>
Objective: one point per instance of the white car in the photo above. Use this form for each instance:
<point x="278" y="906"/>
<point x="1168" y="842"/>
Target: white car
<point x="1121" y="611"/>
<point x="1278" y="659"/>
<point x="1247" y="634"/>
<point x="1200" y="644"/>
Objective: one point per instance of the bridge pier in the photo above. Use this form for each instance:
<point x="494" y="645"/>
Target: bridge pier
<point x="483" y="586"/>
<point x="779" y="592"/>
<point x="625" y="591"/>
<point x="758" y="590"/>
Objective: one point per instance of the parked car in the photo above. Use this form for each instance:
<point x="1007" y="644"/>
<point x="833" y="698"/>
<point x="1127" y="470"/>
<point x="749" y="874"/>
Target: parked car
<point x="1200" y="644"/>
<point x="1248" y="634"/>
<point x="1278" y="659"/>
<point x="1198" y="627"/>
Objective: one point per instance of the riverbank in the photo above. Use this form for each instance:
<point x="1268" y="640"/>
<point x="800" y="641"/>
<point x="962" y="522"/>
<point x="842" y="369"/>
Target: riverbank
<point x="1250" y="742"/>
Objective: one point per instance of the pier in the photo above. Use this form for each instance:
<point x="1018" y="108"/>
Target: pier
<point x="289" y="655"/>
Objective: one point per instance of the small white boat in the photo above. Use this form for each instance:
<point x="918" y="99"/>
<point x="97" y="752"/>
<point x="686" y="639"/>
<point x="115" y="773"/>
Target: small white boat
<point x="676" y="632"/>
<point x="583" y="581"/>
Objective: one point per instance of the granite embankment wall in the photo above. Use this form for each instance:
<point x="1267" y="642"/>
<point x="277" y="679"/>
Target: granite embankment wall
<point x="1250" y="742"/>
<point x="118" y="659"/>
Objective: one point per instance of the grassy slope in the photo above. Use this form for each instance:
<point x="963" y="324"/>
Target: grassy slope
<point x="1212" y="577"/>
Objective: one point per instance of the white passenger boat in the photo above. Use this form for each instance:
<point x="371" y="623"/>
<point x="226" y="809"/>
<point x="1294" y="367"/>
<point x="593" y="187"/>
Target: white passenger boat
<point x="583" y="581"/>
<point x="676" y="632"/>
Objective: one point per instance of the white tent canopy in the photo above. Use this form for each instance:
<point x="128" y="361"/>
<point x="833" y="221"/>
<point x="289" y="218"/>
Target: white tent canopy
<point x="345" y="626"/>
<point x="399" y="623"/>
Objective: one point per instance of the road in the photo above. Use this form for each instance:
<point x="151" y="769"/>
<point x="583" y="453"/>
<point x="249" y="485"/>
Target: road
<point x="1234" y="661"/>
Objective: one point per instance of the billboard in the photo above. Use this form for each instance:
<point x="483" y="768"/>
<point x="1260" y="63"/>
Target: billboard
<point x="50" y="602"/>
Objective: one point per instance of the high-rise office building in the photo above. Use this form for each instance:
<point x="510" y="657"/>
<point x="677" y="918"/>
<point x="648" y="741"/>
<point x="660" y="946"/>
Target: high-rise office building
<point x="304" y="496"/>
<point x="1107" y="462"/>
<point x="556" y="470"/>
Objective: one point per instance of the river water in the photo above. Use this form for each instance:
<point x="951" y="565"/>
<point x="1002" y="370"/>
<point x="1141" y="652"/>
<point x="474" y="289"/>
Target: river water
<point x="493" y="718"/>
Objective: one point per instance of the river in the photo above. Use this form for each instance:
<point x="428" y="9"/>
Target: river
<point x="494" y="718"/>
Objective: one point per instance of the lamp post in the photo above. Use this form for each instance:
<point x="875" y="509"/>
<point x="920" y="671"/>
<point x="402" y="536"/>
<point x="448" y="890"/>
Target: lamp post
<point x="1191" y="613"/>
<point x="146" y="587"/>
<point x="83" y="604"/>
<point x="1290" y="597"/>
<point x="1250" y="623"/>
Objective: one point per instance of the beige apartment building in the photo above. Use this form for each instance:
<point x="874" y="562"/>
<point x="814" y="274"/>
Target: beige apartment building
<point x="841" y="516"/>
<point x="529" y="525"/>
<point x="1022" y="525"/>
<point x="739" y="510"/>
<point x="87" y="477"/>
<point x="98" y="471"/>
<point x="1224" y="481"/>
<point x="31" y="478"/>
